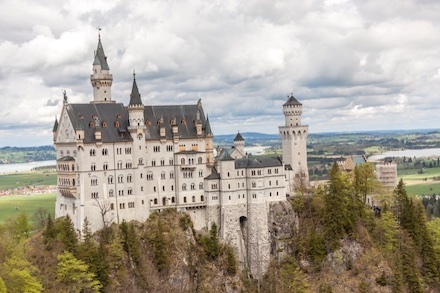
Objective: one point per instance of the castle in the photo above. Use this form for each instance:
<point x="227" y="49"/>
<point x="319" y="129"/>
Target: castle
<point x="117" y="163"/>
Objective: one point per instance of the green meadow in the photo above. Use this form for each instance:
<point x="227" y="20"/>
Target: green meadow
<point x="11" y="206"/>
<point x="15" y="180"/>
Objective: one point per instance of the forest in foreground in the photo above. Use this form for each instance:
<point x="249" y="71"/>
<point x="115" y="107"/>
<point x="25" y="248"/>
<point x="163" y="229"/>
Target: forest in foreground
<point x="338" y="245"/>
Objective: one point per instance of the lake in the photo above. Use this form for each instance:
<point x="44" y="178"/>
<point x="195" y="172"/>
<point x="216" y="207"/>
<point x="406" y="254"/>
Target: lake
<point x="9" y="168"/>
<point x="435" y="152"/>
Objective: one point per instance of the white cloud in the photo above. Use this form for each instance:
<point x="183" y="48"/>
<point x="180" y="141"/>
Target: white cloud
<point x="355" y="65"/>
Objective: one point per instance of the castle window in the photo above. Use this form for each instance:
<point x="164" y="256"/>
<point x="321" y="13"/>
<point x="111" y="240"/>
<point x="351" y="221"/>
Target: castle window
<point x="117" y="124"/>
<point x="200" y="173"/>
<point x="93" y="167"/>
<point x="110" y="193"/>
<point x="171" y="161"/>
<point x="184" y="199"/>
<point x="162" y="175"/>
<point x="228" y="174"/>
<point x="119" y="164"/>
<point x="155" y="201"/>
<point x="269" y="171"/>
<point x="276" y="171"/>
<point x="92" y="153"/>
<point x="105" y="166"/>
<point x="171" y="175"/>
<point x="142" y="188"/>
<point x="130" y="191"/>
<point x="150" y="176"/>
<point x="253" y="173"/>
<point x="154" y="188"/>
<point x="270" y="193"/>
<point x="156" y="149"/>
<point x="131" y="205"/>
<point x="94" y="195"/>
<point x="201" y="185"/>
<point x="141" y="163"/>
<point x="153" y="163"/>
<point x="172" y="187"/>
<point x="229" y="186"/>
<point x="193" y="199"/>
<point x="163" y="188"/>
<point x="270" y="183"/>
<point x="182" y="161"/>
<point x="193" y="186"/>
<point x="112" y="206"/>
<point x="169" y="148"/>
<point x="94" y="181"/>
<point x="184" y="186"/>
<point x="162" y="162"/>
<point x="104" y="124"/>
<point x="276" y="182"/>
<point x="173" y="199"/>
<point x="120" y="179"/>
<point x="183" y="121"/>
<point x="254" y="184"/>
<point x="129" y="178"/>
<point x="110" y="179"/>
<point x="104" y="152"/>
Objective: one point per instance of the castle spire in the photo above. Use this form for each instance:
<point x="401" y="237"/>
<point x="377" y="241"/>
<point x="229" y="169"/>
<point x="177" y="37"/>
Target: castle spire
<point x="101" y="78"/>
<point x="208" y="130"/>
<point x="135" y="96"/>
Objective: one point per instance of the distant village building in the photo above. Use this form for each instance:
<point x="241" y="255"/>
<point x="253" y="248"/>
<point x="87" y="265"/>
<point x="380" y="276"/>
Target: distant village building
<point x="348" y="164"/>
<point x="117" y="162"/>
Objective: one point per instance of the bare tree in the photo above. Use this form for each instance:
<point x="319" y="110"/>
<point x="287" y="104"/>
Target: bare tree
<point x="104" y="206"/>
<point x="301" y="184"/>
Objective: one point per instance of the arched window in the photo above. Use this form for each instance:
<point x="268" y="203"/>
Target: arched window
<point x="184" y="186"/>
<point x="110" y="193"/>
<point x="193" y="186"/>
<point x="182" y="161"/>
<point x="155" y="201"/>
<point x="110" y="179"/>
<point x="199" y="160"/>
<point x="193" y="199"/>
<point x="201" y="185"/>
<point x="202" y="198"/>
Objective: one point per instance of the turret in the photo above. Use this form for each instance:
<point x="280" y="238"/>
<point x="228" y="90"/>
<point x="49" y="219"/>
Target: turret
<point x="101" y="78"/>
<point x="239" y="143"/>
<point x="209" y="144"/>
<point x="292" y="111"/>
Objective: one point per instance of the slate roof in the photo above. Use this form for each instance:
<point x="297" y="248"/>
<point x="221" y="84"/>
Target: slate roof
<point x="225" y="155"/>
<point x="100" y="58"/>
<point x="238" y="137"/>
<point x="55" y="125"/>
<point x="208" y="126"/>
<point x="110" y="113"/>
<point x="135" y="96"/>
<point x="214" y="175"/>
<point x="183" y="115"/>
<point x="292" y="101"/>
<point x="155" y="117"/>
<point x="257" y="162"/>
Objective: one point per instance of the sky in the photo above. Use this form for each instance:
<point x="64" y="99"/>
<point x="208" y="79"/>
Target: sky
<point x="355" y="65"/>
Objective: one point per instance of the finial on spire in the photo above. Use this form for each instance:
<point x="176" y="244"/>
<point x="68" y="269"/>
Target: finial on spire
<point x="65" y="96"/>
<point x="134" y="75"/>
<point x="99" y="32"/>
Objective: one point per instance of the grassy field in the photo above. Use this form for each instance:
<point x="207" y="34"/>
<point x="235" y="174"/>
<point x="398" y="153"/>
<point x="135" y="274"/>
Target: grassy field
<point x="419" y="189"/>
<point x="11" y="206"/>
<point x="14" y="180"/>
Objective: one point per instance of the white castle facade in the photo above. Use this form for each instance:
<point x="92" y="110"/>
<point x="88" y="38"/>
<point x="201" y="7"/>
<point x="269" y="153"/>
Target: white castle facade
<point x="117" y="162"/>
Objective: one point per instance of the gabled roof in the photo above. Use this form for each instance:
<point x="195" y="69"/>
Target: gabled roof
<point x="257" y="162"/>
<point x="292" y="101"/>
<point x="214" y="175"/>
<point x="225" y="155"/>
<point x="114" y="116"/>
<point x="100" y="58"/>
<point x="238" y="137"/>
<point x="135" y="97"/>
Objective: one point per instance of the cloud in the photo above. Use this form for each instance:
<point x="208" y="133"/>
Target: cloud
<point x="355" y="65"/>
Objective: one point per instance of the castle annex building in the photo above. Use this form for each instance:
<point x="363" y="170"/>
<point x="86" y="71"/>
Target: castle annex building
<point x="117" y="162"/>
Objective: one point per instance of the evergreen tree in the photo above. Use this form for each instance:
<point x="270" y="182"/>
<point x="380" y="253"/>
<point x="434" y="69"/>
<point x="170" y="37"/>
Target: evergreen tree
<point x="66" y="233"/>
<point x="75" y="274"/>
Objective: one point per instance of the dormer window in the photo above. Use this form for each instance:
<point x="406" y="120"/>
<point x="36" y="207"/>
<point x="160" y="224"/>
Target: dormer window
<point x="104" y="124"/>
<point x="118" y="116"/>
<point x="183" y="121"/>
<point x="117" y="124"/>
<point x="91" y="124"/>
<point x="147" y="122"/>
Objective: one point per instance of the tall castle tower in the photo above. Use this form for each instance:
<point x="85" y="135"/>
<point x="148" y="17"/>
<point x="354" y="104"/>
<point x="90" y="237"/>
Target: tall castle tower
<point x="101" y="78"/>
<point x="294" y="137"/>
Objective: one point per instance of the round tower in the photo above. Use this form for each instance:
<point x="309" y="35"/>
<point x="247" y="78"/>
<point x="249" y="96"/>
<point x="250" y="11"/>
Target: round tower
<point x="101" y="78"/>
<point x="294" y="139"/>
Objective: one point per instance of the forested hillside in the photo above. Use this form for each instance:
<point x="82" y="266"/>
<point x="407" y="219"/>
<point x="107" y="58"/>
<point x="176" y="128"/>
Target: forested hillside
<point x="340" y="245"/>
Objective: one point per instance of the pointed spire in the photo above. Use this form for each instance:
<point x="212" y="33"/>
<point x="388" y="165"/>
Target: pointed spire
<point x="238" y="137"/>
<point x="291" y="100"/>
<point x="55" y="125"/>
<point x="100" y="58"/>
<point x="135" y="96"/>
<point x="208" y="127"/>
